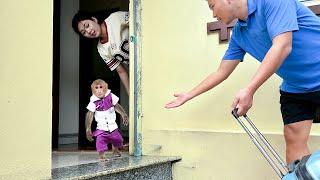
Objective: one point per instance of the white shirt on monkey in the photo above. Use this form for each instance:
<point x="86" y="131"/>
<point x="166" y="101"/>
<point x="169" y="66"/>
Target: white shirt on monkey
<point x="106" y="120"/>
<point x="116" y="50"/>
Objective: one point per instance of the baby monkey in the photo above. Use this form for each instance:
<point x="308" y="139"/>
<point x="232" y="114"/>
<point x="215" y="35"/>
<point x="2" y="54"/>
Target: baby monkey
<point x="102" y="106"/>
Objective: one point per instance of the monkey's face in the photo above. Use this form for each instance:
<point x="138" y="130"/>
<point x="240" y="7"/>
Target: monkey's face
<point x="99" y="90"/>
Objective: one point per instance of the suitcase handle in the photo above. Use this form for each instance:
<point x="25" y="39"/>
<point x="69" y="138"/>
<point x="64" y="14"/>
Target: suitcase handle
<point x="261" y="148"/>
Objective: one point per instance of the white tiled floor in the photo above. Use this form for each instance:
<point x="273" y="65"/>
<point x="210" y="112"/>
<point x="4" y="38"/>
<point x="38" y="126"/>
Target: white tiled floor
<point x="63" y="159"/>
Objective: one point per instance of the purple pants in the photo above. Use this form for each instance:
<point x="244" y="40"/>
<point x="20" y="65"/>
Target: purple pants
<point x="103" y="138"/>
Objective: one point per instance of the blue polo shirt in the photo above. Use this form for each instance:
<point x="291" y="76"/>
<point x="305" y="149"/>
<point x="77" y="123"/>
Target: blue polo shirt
<point x="266" y="19"/>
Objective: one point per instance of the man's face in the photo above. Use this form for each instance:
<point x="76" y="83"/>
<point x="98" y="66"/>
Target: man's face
<point x="222" y="10"/>
<point x="89" y="28"/>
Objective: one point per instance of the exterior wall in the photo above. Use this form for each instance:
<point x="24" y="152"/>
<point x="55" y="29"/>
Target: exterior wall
<point x="176" y="55"/>
<point x="26" y="89"/>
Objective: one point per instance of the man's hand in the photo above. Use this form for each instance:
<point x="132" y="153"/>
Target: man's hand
<point x="181" y="98"/>
<point x="243" y="101"/>
<point x="89" y="135"/>
<point x="125" y="119"/>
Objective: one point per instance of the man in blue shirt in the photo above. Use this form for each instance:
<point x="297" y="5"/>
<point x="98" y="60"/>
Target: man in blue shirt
<point x="284" y="36"/>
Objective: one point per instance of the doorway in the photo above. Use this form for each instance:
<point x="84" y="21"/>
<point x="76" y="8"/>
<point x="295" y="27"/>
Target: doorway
<point x="76" y="63"/>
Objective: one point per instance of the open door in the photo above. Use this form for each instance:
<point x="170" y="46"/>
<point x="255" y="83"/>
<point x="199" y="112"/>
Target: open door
<point x="76" y="63"/>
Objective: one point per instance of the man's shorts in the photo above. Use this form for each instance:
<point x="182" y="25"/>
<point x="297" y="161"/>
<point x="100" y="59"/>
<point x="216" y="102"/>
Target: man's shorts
<point x="297" y="107"/>
<point x="103" y="138"/>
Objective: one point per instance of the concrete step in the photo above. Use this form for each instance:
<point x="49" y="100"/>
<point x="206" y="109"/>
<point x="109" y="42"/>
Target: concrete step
<point x="123" y="168"/>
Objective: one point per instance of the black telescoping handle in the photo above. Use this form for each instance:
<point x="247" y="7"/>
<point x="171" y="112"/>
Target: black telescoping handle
<point x="235" y="113"/>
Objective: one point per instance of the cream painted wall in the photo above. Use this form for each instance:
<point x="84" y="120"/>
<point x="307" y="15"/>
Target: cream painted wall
<point x="177" y="54"/>
<point x="26" y="90"/>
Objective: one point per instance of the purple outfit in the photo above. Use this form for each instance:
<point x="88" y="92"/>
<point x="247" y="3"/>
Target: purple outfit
<point x="104" y="104"/>
<point x="104" y="137"/>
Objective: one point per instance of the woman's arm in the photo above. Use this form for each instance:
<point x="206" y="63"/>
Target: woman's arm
<point x="123" y="74"/>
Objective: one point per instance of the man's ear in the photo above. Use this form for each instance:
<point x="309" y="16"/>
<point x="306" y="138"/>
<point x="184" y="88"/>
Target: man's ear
<point x="94" y="19"/>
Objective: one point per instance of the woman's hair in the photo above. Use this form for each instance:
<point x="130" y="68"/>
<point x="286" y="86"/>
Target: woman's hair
<point x="84" y="15"/>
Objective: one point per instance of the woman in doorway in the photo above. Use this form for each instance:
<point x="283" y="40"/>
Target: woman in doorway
<point x="112" y="29"/>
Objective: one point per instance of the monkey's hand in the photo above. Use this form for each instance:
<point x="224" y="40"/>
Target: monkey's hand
<point x="125" y="119"/>
<point x="89" y="135"/>
<point x="123" y="114"/>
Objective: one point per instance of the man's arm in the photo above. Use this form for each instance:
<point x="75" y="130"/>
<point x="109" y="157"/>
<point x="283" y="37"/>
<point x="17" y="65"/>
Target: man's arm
<point x="123" y="74"/>
<point x="280" y="49"/>
<point x="119" y="109"/>
<point x="89" y="118"/>
<point x="225" y="69"/>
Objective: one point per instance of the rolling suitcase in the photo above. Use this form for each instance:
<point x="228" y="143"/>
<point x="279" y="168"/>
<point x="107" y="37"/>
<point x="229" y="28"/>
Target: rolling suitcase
<point x="308" y="168"/>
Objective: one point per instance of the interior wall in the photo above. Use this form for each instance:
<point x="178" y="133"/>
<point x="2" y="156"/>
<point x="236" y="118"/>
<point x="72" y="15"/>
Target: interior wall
<point x="26" y="89"/>
<point x="69" y="75"/>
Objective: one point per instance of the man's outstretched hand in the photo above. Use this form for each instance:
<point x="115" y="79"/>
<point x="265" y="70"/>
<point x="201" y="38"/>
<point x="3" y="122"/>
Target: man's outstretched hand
<point x="181" y="98"/>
